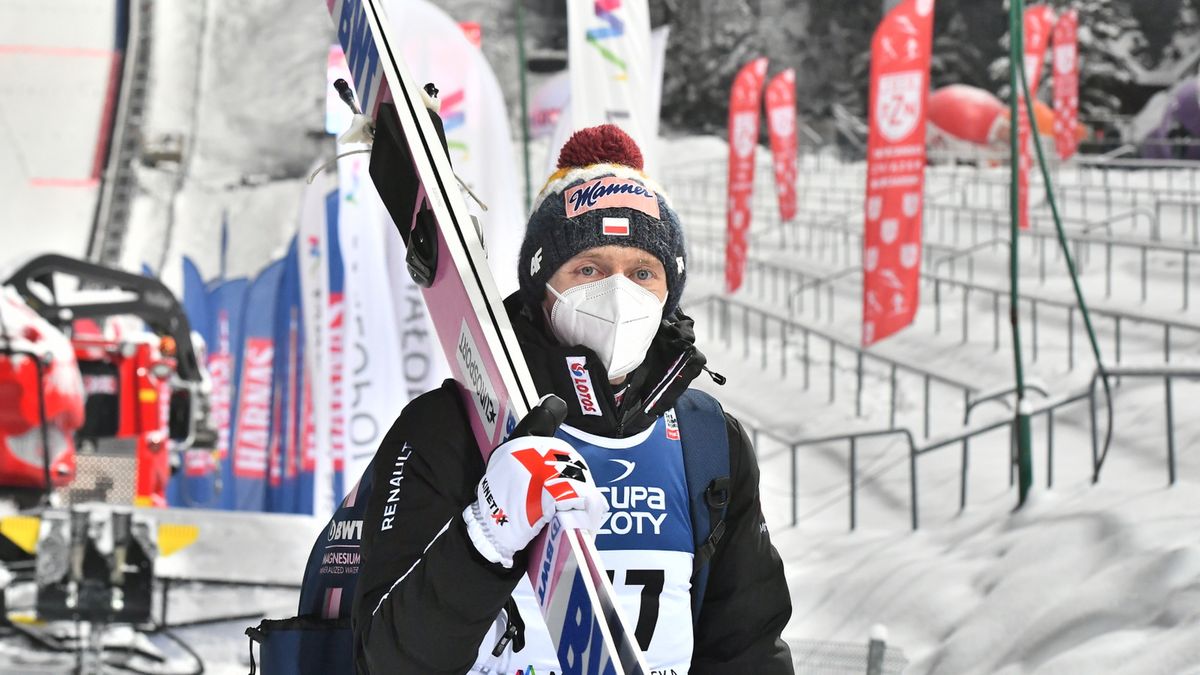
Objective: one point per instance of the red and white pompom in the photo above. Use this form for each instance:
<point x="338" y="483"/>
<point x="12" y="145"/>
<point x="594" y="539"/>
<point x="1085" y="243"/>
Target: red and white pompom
<point x="604" y="144"/>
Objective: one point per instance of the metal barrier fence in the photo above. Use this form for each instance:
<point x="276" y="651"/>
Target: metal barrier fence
<point x="810" y="341"/>
<point x="1092" y="192"/>
<point x="1050" y="407"/>
<point x="708" y="260"/>
<point x="836" y="239"/>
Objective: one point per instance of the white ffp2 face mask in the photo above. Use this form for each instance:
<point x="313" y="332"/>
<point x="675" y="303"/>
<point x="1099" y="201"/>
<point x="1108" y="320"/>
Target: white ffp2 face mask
<point x="614" y="317"/>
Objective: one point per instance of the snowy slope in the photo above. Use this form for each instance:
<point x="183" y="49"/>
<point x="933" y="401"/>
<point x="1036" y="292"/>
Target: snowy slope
<point x="1083" y="580"/>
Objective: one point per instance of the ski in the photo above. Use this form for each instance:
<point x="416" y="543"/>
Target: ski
<point x="411" y="171"/>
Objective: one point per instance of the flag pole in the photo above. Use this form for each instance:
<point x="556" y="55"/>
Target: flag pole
<point x="1023" y="435"/>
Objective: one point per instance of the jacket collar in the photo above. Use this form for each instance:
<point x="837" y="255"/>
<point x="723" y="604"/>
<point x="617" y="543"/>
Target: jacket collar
<point x="576" y="375"/>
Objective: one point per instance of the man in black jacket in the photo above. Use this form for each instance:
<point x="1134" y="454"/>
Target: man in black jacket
<point x="602" y="271"/>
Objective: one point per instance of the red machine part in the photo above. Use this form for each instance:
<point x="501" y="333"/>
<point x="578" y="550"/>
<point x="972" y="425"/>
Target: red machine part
<point x="141" y="381"/>
<point x="25" y="332"/>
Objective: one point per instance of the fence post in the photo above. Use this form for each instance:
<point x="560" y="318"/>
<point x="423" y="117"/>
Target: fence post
<point x="832" y="370"/>
<point x="962" y="497"/>
<point x="1095" y="434"/>
<point x="1117" y="339"/>
<point x="1186" y="257"/>
<point x="858" y="374"/>
<point x="1108" y="256"/>
<point x="995" y="321"/>
<point x="1143" y="274"/>
<point x="806" y="360"/>
<point x="876" y="650"/>
<point x="937" y="306"/>
<point x="783" y="349"/>
<point x="892" y="406"/>
<point x="853" y="483"/>
<point x="926" y="399"/>
<point x="1071" y="337"/>
<point x="912" y="473"/>
<point x="1170" y="433"/>
<point x="795" y="517"/>
<point x="1033" y="305"/>
<point x="1049" y="448"/>
<point x="966" y="312"/>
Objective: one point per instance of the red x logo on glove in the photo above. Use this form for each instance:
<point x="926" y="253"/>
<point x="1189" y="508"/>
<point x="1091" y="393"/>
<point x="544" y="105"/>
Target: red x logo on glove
<point x="543" y="468"/>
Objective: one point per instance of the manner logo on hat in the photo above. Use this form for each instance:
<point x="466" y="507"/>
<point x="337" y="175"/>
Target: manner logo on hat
<point x="610" y="192"/>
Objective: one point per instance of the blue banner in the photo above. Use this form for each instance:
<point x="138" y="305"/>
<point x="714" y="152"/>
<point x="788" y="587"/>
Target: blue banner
<point x="253" y="416"/>
<point x="194" y="484"/>
<point x="287" y="432"/>
<point x="337" y="342"/>
<point x="226" y="302"/>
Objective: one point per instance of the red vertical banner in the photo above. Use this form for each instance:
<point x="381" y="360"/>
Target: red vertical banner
<point x="743" y="138"/>
<point x="1038" y="22"/>
<point x="781" y="125"/>
<point x="900" y="56"/>
<point x="1066" y="84"/>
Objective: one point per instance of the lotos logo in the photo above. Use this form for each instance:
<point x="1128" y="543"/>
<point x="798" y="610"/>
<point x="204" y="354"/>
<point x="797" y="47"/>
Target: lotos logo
<point x="581" y="382"/>
<point x="613" y="28"/>
<point x="610" y="192"/>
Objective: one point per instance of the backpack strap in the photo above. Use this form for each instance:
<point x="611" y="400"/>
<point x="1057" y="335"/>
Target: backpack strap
<point x="704" y="435"/>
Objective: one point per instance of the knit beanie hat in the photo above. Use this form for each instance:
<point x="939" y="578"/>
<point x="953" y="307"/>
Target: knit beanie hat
<point x="600" y="197"/>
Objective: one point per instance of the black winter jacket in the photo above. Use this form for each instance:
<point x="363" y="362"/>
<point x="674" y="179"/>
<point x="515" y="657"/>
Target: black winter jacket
<point x="426" y="598"/>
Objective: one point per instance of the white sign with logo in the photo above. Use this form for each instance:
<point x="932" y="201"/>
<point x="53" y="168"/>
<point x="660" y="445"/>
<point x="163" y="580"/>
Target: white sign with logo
<point x="898" y="103"/>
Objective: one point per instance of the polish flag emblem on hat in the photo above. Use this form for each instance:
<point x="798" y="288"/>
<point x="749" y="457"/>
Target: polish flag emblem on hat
<point x="618" y="227"/>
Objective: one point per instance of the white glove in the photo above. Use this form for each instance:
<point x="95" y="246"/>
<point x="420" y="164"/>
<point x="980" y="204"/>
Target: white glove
<point x="527" y="481"/>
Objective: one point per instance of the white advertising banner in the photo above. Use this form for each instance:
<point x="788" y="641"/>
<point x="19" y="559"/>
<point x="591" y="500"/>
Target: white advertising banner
<point x="313" y="246"/>
<point x="611" y="62"/>
<point x="476" y="122"/>
<point x="371" y="401"/>
<point x="422" y="362"/>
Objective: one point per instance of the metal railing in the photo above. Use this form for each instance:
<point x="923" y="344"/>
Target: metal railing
<point x="839" y="241"/>
<point x="708" y="261"/>
<point x="808" y="340"/>
<point x="1049" y="408"/>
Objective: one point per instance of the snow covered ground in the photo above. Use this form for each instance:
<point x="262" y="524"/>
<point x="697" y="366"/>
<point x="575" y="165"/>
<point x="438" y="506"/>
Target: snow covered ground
<point x="1083" y="579"/>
